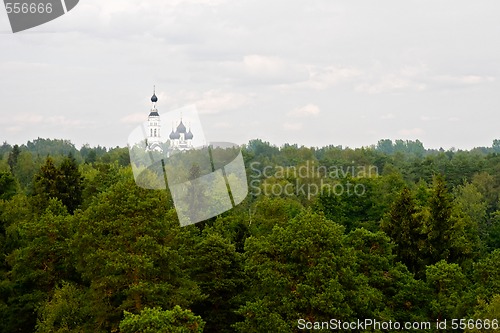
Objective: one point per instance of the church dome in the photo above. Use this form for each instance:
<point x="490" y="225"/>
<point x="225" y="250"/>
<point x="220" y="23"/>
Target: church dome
<point x="174" y="135"/>
<point x="189" y="135"/>
<point x="154" y="99"/>
<point x="181" y="128"/>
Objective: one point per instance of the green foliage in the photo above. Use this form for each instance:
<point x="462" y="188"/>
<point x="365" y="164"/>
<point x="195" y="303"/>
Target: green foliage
<point x="69" y="186"/>
<point x="349" y="208"/>
<point x="155" y="320"/>
<point x="218" y="270"/>
<point x="8" y="186"/>
<point x="66" y="311"/>
<point x="487" y="312"/>
<point x="13" y="157"/>
<point x="83" y="249"/>
<point x="296" y="272"/>
<point x="63" y="182"/>
<point x="128" y="252"/>
<point x="449" y="298"/>
<point x="405" y="227"/>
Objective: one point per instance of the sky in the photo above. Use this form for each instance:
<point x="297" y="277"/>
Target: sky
<point x="315" y="73"/>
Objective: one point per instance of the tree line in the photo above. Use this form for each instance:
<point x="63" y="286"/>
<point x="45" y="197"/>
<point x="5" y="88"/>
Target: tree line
<point x="83" y="249"/>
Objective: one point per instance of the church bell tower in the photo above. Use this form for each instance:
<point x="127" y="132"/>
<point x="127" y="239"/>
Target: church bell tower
<point x="154" y="135"/>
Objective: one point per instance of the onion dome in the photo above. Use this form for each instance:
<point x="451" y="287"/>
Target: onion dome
<point x="174" y="135"/>
<point x="154" y="99"/>
<point x="189" y="135"/>
<point x="181" y="128"/>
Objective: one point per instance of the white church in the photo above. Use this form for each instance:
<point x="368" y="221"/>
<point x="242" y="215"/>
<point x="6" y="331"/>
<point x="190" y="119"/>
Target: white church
<point x="180" y="139"/>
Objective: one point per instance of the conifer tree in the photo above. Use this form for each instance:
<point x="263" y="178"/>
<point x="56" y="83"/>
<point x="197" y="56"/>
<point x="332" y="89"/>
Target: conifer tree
<point x="69" y="184"/>
<point x="405" y="228"/>
<point x="439" y="226"/>
<point x="13" y="156"/>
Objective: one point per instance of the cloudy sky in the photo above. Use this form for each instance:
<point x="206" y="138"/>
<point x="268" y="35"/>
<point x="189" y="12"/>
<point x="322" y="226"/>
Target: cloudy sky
<point x="313" y="72"/>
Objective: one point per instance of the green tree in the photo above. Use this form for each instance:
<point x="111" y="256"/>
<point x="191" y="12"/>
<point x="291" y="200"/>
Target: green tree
<point x="70" y="184"/>
<point x="439" y="225"/>
<point x="66" y="310"/>
<point x="217" y="269"/>
<point x="38" y="263"/>
<point x="155" y="320"/>
<point x="7" y="185"/>
<point x="127" y="249"/>
<point x="451" y="297"/>
<point x="45" y="184"/>
<point x="405" y="228"/>
<point x="13" y="157"/>
<point x="302" y="270"/>
<point x="400" y="296"/>
<point x="64" y="183"/>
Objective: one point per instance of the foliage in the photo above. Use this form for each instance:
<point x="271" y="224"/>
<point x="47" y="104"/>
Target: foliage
<point x="83" y="249"/>
<point x="155" y="320"/>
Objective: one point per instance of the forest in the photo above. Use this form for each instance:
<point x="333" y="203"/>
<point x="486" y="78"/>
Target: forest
<point x="392" y="232"/>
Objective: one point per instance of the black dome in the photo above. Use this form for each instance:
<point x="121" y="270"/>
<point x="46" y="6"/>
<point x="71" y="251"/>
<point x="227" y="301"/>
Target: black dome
<point x="154" y="99"/>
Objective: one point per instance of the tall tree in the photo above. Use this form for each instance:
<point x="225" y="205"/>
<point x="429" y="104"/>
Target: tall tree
<point x="303" y="270"/>
<point x="13" y="157"/>
<point x="451" y="298"/>
<point x="45" y="184"/>
<point x="439" y="225"/>
<point x="70" y="184"/>
<point x="217" y="268"/>
<point x="405" y="228"/>
<point x="127" y="249"/>
<point x="64" y="183"/>
<point x="7" y="185"/>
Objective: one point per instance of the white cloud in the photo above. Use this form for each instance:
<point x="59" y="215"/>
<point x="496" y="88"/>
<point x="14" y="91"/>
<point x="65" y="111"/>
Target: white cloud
<point x="320" y="77"/>
<point x="222" y="124"/>
<point x="257" y="64"/>
<point x="305" y="111"/>
<point x="99" y="62"/>
<point x="411" y="132"/>
<point x="292" y="126"/>
<point x="463" y="79"/>
<point x="323" y="77"/>
<point x="391" y="83"/>
<point x="387" y="116"/>
<point x="134" y="118"/>
<point x="429" y="118"/>
<point x="415" y="78"/>
<point x="258" y="69"/>
<point x="215" y="101"/>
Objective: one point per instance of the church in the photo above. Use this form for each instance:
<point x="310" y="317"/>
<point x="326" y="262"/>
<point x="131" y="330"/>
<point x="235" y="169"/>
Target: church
<point x="180" y="139"/>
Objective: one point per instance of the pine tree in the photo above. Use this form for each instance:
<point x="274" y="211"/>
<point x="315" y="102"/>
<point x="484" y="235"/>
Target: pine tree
<point x="45" y="184"/>
<point x="13" y="156"/>
<point x="64" y="183"/>
<point x="403" y="225"/>
<point x="439" y="226"/>
<point x="69" y="184"/>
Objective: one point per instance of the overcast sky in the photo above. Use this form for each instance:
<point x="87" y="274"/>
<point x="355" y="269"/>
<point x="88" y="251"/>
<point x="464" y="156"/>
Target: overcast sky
<point x="315" y="72"/>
